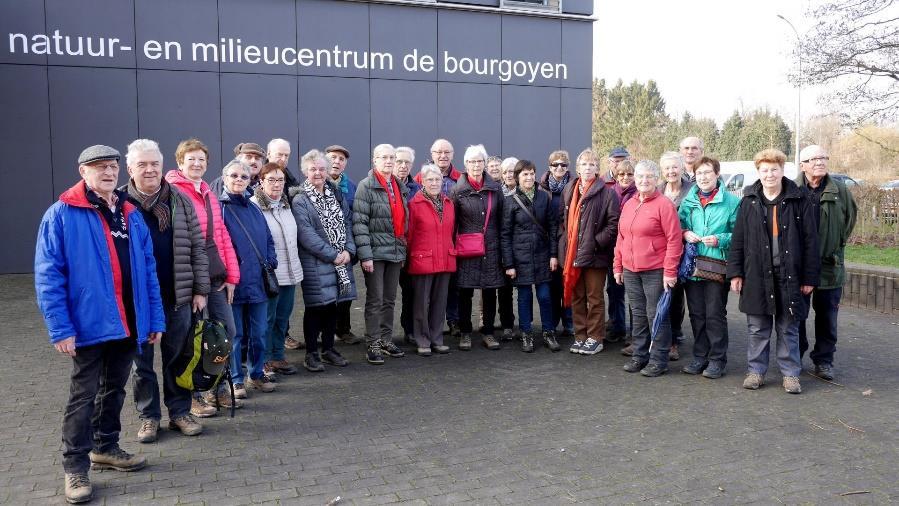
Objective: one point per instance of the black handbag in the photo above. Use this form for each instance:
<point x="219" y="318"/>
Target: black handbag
<point x="269" y="279"/>
<point x="217" y="269"/>
<point x="711" y="269"/>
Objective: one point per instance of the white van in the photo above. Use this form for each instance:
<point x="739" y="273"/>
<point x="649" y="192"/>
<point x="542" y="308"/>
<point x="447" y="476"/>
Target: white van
<point x="737" y="176"/>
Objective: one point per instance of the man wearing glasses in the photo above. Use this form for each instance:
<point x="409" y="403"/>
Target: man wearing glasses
<point x="616" y="156"/>
<point x="836" y="211"/>
<point x="95" y="277"/>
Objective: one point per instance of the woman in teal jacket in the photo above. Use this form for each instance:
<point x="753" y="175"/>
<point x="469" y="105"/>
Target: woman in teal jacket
<point x="707" y="215"/>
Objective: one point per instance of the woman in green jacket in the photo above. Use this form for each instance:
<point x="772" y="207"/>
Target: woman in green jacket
<point x="707" y="216"/>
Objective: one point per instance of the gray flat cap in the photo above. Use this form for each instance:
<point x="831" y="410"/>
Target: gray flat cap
<point x="96" y="153"/>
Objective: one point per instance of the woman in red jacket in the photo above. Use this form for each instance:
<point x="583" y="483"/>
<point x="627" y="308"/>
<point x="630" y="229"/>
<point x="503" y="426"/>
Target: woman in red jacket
<point x="432" y="258"/>
<point x="647" y="254"/>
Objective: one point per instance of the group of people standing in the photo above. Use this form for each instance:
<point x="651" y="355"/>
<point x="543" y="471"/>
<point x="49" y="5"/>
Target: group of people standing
<point x="164" y="249"/>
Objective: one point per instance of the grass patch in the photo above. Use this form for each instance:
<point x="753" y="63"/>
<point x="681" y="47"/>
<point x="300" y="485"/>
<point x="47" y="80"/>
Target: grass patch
<point x="872" y="255"/>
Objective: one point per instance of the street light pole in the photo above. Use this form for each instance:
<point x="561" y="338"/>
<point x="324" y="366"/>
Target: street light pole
<point x="798" y="88"/>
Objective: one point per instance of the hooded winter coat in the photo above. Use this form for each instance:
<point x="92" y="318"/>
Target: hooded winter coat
<point x="220" y="233"/>
<point x="750" y="252"/>
<point x="836" y="212"/>
<point x="77" y="277"/>
<point x="283" y="228"/>
<point x="316" y="253"/>
<point x="597" y="228"/>
<point x="471" y="210"/>
<point x="373" y="222"/>
<point x="526" y="248"/>
<point x="236" y="210"/>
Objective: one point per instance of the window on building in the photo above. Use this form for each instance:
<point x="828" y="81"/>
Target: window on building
<point x="550" y="5"/>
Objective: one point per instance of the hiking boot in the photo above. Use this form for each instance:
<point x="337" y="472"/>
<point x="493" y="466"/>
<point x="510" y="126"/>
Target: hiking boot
<point x="283" y="367"/>
<point x="441" y="349"/>
<point x="222" y="399"/>
<point x="591" y="347"/>
<point x="332" y="357"/>
<point x="673" y="353"/>
<point x="527" y="342"/>
<point x="713" y="371"/>
<point x="694" y="367"/>
<point x="148" y="430"/>
<point x="576" y="347"/>
<point x="392" y="349"/>
<point x="791" y="385"/>
<point x="424" y="352"/>
<point x="634" y="365"/>
<point x="269" y="372"/>
<point x="186" y="424"/>
<point x="349" y="338"/>
<point x="312" y="363"/>
<point x="824" y="371"/>
<point x="262" y="384"/>
<point x="465" y="342"/>
<point x="454" y="329"/>
<point x="491" y="343"/>
<point x="117" y="459"/>
<point x="292" y="344"/>
<point x="240" y="391"/>
<point x="200" y="409"/>
<point x="78" y="488"/>
<point x="549" y="339"/>
<point x="628" y="351"/>
<point x="374" y="355"/>
<point x="507" y="335"/>
<point x="753" y="381"/>
<point x="653" y="370"/>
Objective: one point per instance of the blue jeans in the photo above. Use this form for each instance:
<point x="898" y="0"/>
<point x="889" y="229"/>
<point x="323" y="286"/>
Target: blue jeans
<point x="787" y="328"/>
<point x="826" y="304"/>
<point x="253" y="318"/>
<point x="526" y="306"/>
<point x="643" y="292"/>
<point x="280" y="308"/>
<point x="615" y="301"/>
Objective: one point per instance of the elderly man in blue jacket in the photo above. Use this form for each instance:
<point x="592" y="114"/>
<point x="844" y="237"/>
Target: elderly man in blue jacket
<point x="95" y="277"/>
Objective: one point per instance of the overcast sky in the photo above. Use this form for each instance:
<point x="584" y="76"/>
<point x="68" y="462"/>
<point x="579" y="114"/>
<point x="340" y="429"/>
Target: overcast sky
<point x="709" y="57"/>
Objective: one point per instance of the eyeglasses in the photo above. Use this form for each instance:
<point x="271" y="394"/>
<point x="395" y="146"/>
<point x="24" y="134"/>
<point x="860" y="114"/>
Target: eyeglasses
<point x="239" y="176"/>
<point x="479" y="162"/>
<point x="559" y="164"/>
<point x="275" y="180"/>
<point x="105" y="166"/>
<point x="625" y="174"/>
<point x="441" y="152"/>
<point x="817" y="159"/>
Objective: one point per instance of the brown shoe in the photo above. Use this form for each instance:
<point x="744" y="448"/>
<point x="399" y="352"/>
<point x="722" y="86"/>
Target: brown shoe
<point x="262" y="384"/>
<point x="200" y="409"/>
<point x="490" y="342"/>
<point x="292" y="344"/>
<point x="186" y="424"/>
<point x="117" y="459"/>
<point x="753" y="381"/>
<point x="673" y="353"/>
<point x="628" y="351"/>
<point x="78" y="488"/>
<point x="148" y="431"/>
<point x="283" y="367"/>
<point x="223" y="398"/>
<point x="791" y="385"/>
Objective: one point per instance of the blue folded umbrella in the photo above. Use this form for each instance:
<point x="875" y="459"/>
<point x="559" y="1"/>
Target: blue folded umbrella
<point x="687" y="263"/>
<point x="661" y="312"/>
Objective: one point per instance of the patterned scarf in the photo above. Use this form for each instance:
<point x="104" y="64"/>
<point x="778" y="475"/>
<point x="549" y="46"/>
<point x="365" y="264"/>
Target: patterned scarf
<point x="331" y="216"/>
<point x="437" y="201"/>
<point x="557" y="186"/>
<point x="508" y="191"/>
<point x="158" y="203"/>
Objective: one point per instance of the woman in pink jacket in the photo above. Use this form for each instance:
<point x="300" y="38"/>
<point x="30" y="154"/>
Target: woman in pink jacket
<point x="647" y="255"/>
<point x="192" y="157"/>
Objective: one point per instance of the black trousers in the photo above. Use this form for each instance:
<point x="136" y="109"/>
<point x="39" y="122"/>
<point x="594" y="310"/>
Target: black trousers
<point x="96" y="394"/>
<point x="506" y="309"/>
<point x="319" y="323"/>
<point x="826" y="303"/>
<point x="707" y="301"/>
<point x="676" y="313"/>
<point x="342" y="325"/>
<point x="406" y="313"/>
<point x="488" y="295"/>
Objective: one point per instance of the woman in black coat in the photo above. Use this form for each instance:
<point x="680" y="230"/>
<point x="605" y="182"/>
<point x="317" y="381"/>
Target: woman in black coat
<point x="773" y="262"/>
<point x="529" y="242"/>
<point x="472" y="195"/>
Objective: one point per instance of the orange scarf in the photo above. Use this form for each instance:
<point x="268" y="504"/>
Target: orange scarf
<point x="397" y="212"/>
<point x="570" y="273"/>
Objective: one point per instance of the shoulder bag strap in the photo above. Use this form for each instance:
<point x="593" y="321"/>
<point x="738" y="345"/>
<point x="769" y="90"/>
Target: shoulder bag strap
<point x="489" y="207"/>
<point x="209" y="226"/>
<point x="529" y="213"/>
<point x="249" y="237"/>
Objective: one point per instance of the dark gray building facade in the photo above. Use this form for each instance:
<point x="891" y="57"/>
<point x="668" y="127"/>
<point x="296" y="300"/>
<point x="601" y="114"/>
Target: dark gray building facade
<point x="512" y="75"/>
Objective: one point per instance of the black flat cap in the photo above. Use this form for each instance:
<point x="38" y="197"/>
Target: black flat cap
<point x="96" y="153"/>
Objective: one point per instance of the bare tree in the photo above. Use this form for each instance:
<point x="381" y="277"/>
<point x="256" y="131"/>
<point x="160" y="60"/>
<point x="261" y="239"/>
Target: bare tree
<point x="854" y="48"/>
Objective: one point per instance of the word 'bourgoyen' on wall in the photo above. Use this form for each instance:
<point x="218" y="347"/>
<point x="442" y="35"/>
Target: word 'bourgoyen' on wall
<point x="231" y="50"/>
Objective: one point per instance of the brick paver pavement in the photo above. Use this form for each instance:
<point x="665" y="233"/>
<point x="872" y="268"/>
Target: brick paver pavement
<point x="485" y="428"/>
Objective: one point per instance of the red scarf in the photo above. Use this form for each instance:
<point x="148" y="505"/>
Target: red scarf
<point x="704" y="201"/>
<point x="474" y="184"/>
<point x="397" y="212"/>
<point x="570" y="273"/>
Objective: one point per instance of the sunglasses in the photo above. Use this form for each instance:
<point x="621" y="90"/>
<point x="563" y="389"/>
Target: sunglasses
<point x="558" y="164"/>
<point x="239" y="176"/>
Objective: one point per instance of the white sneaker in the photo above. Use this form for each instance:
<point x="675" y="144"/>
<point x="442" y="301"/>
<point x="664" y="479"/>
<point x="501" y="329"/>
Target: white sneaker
<point x="591" y="347"/>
